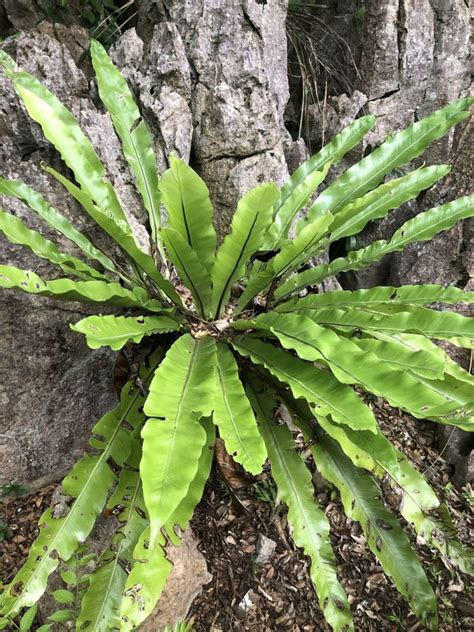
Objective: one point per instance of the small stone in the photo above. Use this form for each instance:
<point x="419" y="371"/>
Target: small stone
<point x="185" y="582"/>
<point x="247" y="603"/>
<point x="265" y="549"/>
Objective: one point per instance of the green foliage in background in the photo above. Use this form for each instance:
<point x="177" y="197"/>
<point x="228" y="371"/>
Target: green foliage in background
<point x="231" y="333"/>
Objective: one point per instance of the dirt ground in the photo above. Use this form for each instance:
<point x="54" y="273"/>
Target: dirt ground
<point x="276" y="594"/>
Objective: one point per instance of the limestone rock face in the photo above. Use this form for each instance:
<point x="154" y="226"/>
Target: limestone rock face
<point x="210" y="79"/>
<point x="414" y="60"/>
<point x="188" y="575"/>
<point x="237" y="88"/>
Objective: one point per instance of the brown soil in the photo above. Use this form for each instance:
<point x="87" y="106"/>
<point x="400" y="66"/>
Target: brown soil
<point x="281" y="594"/>
<point x="277" y="594"/>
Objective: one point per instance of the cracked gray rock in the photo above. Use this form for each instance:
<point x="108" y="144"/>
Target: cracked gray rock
<point x="238" y="84"/>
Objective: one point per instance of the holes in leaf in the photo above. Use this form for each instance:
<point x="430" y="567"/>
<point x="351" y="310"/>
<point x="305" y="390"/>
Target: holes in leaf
<point x="378" y="543"/>
<point x="99" y="437"/>
<point x="16" y="589"/>
<point x="140" y="512"/>
<point x="113" y="465"/>
<point x="338" y="603"/>
<point x="124" y="566"/>
<point x="127" y="426"/>
<point x="383" y="525"/>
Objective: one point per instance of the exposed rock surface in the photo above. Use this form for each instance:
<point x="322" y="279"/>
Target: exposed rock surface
<point x="188" y="576"/>
<point x="234" y="83"/>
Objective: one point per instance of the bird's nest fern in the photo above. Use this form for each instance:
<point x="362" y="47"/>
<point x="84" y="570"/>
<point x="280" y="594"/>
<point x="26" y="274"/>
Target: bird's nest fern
<point x="234" y="332"/>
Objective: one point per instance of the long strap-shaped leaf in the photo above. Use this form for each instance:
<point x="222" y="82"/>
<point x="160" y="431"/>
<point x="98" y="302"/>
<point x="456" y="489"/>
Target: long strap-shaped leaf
<point x="190" y="213"/>
<point x="145" y="582"/>
<point x="183" y="513"/>
<point x="429" y="363"/>
<point x="85" y="291"/>
<point x="386" y="539"/>
<point x="17" y="232"/>
<point x="62" y="130"/>
<point x="419" y="505"/>
<point x="248" y="227"/>
<point x="19" y="190"/>
<point x="355" y="216"/>
<point x="419" y="320"/>
<point x="100" y="606"/>
<point x="234" y="416"/>
<point x="421" y="228"/>
<point x="318" y="387"/>
<point x="381" y="295"/>
<point x="375" y="204"/>
<point x="400" y="149"/>
<point x="121" y="233"/>
<point x="116" y="331"/>
<point x="351" y="365"/>
<point x="88" y="483"/>
<point x="96" y="194"/>
<point x="151" y="568"/>
<point x="193" y="274"/>
<point x="438" y="372"/>
<point x="332" y="153"/>
<point x="290" y="257"/>
<point x="290" y="207"/>
<point x="132" y="131"/>
<point x="310" y="527"/>
<point x="181" y="392"/>
<point x="420" y="344"/>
